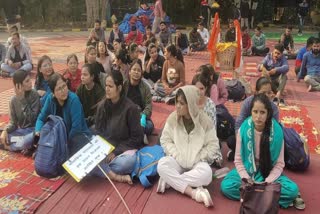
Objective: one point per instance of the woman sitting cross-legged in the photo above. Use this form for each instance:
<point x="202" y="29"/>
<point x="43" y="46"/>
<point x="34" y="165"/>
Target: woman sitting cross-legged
<point x="173" y="76"/>
<point x="24" y="108"/>
<point x="260" y="154"/>
<point x="67" y="105"/>
<point x="139" y="93"/>
<point x="73" y="73"/>
<point x="118" y="121"/>
<point x="191" y="146"/>
<point x="90" y="92"/>
<point x="44" y="71"/>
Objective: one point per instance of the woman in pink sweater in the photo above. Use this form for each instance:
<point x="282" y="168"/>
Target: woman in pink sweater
<point x="259" y="154"/>
<point x="218" y="92"/>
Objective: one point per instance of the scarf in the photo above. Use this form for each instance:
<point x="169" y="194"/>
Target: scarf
<point x="248" y="146"/>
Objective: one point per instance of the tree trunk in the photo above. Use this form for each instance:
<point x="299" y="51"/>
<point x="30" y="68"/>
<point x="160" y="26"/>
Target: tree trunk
<point x="92" y="7"/>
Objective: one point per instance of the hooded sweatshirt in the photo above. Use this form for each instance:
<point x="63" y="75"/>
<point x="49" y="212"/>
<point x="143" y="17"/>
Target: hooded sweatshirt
<point x="201" y="144"/>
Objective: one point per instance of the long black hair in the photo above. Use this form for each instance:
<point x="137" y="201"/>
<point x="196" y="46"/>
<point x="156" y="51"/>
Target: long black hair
<point x="104" y="110"/>
<point x="92" y="73"/>
<point x="175" y="52"/>
<point x="265" y="163"/>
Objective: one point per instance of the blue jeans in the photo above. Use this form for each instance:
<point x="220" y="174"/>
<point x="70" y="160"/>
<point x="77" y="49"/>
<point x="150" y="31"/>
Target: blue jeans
<point x="25" y="143"/>
<point x="26" y="67"/>
<point x="122" y="164"/>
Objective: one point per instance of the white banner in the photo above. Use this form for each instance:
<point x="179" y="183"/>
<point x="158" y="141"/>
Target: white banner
<point x="88" y="157"/>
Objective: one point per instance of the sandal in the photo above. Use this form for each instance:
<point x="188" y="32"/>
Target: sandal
<point x="298" y="203"/>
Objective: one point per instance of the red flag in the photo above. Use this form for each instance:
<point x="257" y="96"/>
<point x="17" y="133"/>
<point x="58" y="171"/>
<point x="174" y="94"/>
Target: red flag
<point x="214" y="39"/>
<point x="238" y="59"/>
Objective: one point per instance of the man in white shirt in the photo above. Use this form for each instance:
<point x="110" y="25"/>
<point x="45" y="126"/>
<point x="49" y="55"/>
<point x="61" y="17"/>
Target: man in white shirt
<point x="204" y="33"/>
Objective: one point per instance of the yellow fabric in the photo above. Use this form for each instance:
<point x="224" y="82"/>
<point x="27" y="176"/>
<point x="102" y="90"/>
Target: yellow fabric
<point x="225" y="45"/>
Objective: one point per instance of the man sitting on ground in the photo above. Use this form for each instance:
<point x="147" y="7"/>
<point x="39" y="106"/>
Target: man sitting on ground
<point x="275" y="67"/>
<point x="301" y="52"/>
<point x="286" y="40"/>
<point x="17" y="57"/>
<point x="164" y="36"/>
<point x="23" y="40"/>
<point x="196" y="41"/>
<point x="96" y="35"/>
<point x="310" y="67"/>
<point x="259" y="43"/>
<point x="204" y="33"/>
<point x="181" y="42"/>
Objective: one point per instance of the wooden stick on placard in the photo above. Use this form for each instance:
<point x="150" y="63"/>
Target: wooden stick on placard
<point x="114" y="186"/>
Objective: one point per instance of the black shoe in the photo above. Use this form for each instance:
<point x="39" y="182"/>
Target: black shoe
<point x="276" y="101"/>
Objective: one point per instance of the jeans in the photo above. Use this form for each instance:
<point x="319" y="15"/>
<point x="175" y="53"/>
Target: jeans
<point x="301" y="23"/>
<point x="122" y="164"/>
<point x="26" y="67"/>
<point x="25" y="143"/>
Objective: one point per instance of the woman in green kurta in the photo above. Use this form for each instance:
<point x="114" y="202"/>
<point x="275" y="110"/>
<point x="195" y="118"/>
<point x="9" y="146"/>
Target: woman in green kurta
<point x="260" y="154"/>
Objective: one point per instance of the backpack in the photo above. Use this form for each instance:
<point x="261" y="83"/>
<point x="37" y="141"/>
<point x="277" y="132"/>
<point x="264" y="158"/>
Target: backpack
<point x="146" y="164"/>
<point x="296" y="152"/>
<point x="52" y="149"/>
<point x="225" y="123"/>
<point x="236" y="91"/>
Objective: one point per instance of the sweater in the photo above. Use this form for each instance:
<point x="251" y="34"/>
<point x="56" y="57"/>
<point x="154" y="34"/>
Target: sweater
<point x="201" y="144"/>
<point x="182" y="42"/>
<point x="259" y="42"/>
<point x="73" y="80"/>
<point x="146" y="98"/>
<point x="23" y="112"/>
<point x="165" y="38"/>
<point x="73" y="115"/>
<point x="89" y="100"/>
<point x="219" y="92"/>
<point x="174" y="74"/>
<point x="134" y="37"/>
<point x="310" y="65"/>
<point x="245" y="112"/>
<point x="114" y="36"/>
<point x="43" y="86"/>
<point x="122" y="129"/>
<point x="281" y="65"/>
<point x="246" y="41"/>
<point x="300" y="54"/>
<point x="276" y="170"/>
<point x="155" y="71"/>
<point x="230" y="35"/>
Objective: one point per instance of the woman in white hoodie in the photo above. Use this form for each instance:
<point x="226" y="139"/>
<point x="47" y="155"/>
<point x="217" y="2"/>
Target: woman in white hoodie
<point x="191" y="145"/>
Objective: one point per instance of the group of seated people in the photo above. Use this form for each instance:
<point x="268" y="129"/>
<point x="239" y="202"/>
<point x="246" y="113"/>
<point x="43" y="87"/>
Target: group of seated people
<point x="112" y="94"/>
<point x="256" y="46"/>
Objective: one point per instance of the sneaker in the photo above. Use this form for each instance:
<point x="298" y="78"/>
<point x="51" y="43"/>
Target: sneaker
<point x="157" y="99"/>
<point x="203" y="196"/>
<point x="282" y="103"/>
<point x="162" y="186"/>
<point x="276" y="101"/>
<point x="230" y="155"/>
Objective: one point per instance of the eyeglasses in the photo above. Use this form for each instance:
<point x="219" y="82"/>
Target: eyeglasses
<point x="61" y="88"/>
<point x="47" y="65"/>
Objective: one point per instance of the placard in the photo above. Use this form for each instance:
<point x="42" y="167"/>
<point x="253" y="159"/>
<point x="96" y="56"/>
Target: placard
<point x="88" y="157"/>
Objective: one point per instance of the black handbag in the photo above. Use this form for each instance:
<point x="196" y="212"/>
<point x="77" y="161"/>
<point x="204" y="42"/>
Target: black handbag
<point x="259" y="198"/>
